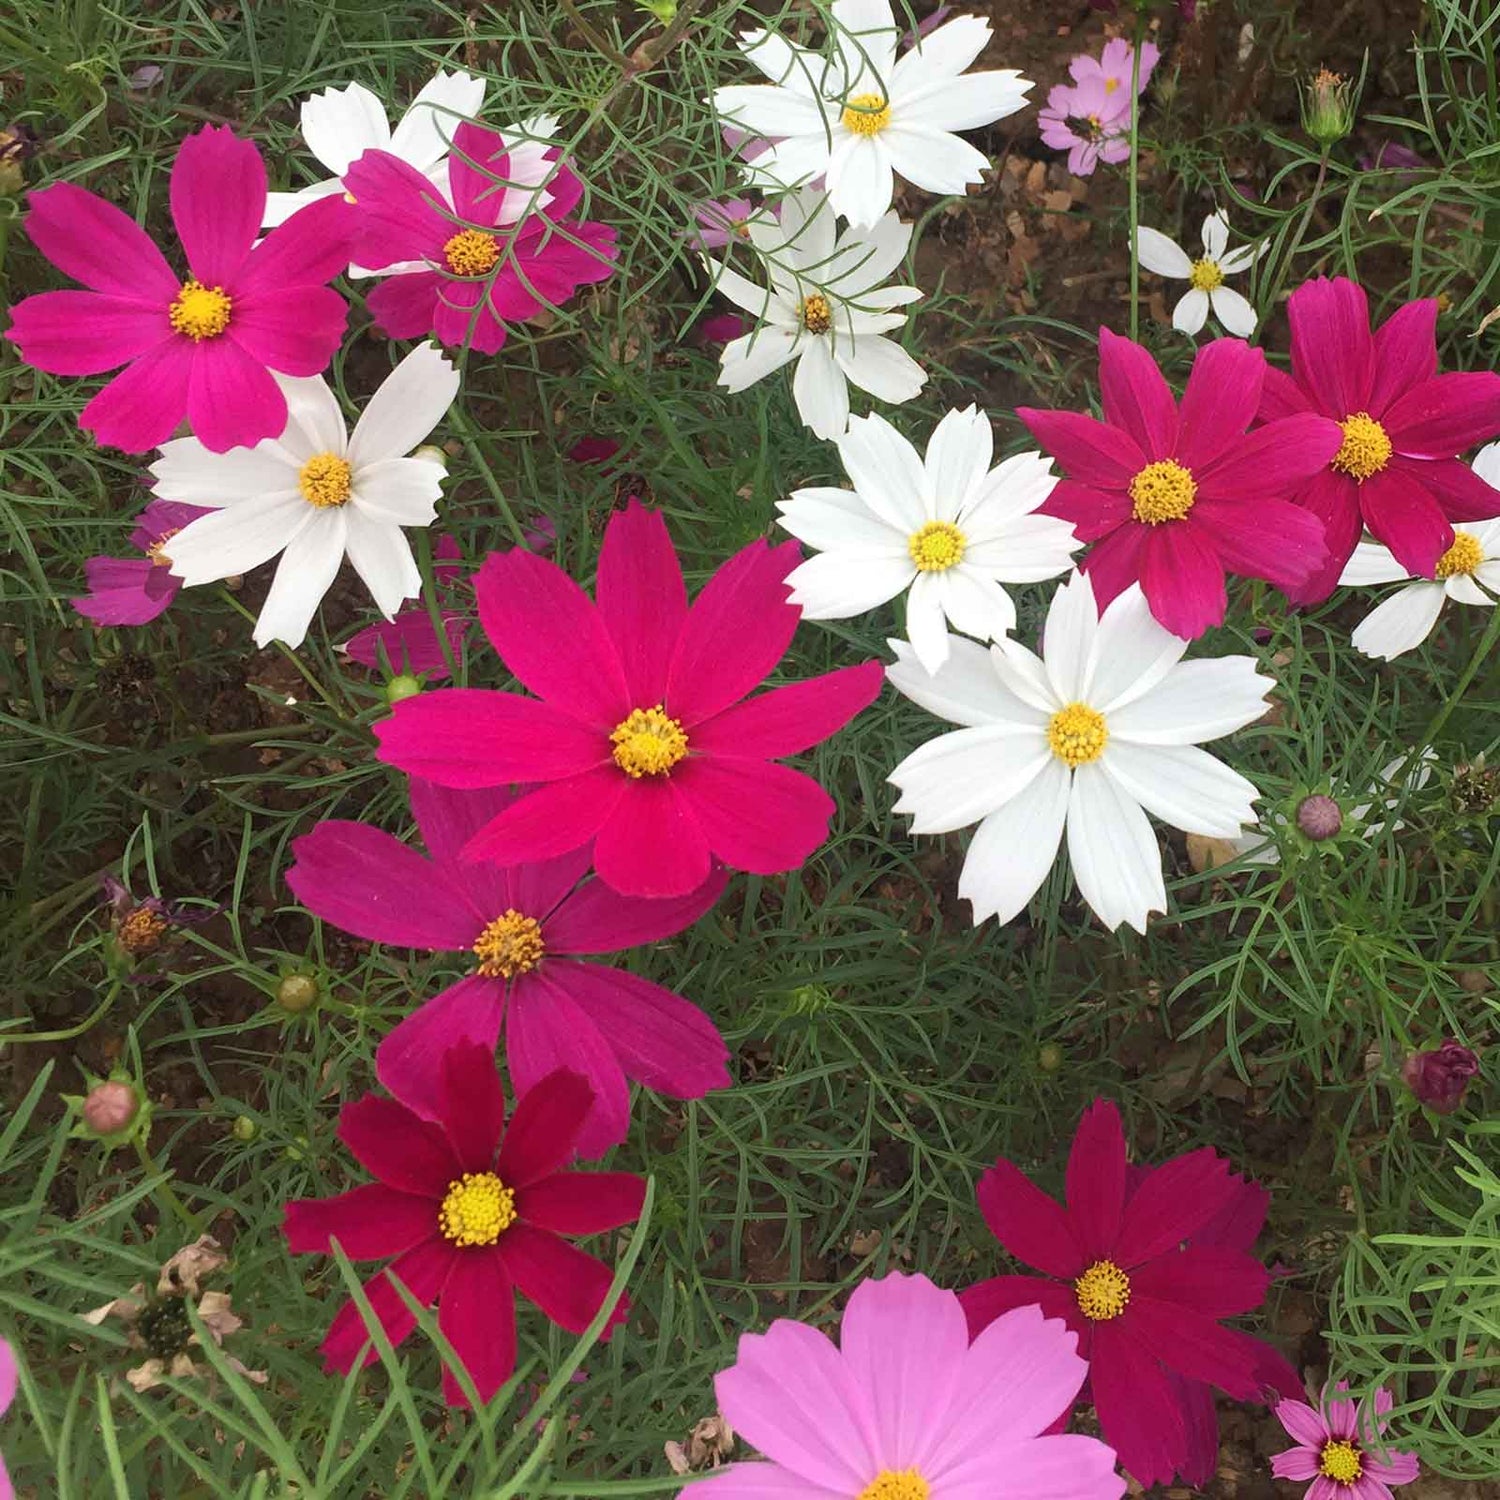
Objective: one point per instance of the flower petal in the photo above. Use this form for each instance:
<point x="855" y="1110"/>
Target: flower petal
<point x="788" y="720"/>
<point x="1220" y="402"/>
<point x="1029" y="1224"/>
<point x="312" y="247"/>
<point x="1182" y="578"/>
<point x="567" y="1285"/>
<point x="477" y="1315"/>
<point x="309" y="563"/>
<point x="1096" y="1180"/>
<point x="651" y="844"/>
<point x="1333" y="355"/>
<point x="887" y="472"/>
<point x="1217" y="1283"/>
<point x="424" y="133"/>
<point x="241" y="536"/>
<point x="965" y="690"/>
<point x="1114" y="854"/>
<point x="597" y="919"/>
<point x="1161" y="255"/>
<point x="1405" y="349"/>
<point x="395" y="1145"/>
<point x="1013" y="849"/>
<point x="1193" y="1345"/>
<point x="958" y="778"/>
<point x="551" y="821"/>
<point x="544" y="1127"/>
<point x="1401" y="513"/>
<point x="1171" y="1203"/>
<point x="218" y="193"/>
<point x="757" y="816"/>
<point x="1401" y="623"/>
<point x="85" y="333"/>
<point x="1445" y="415"/>
<point x="423" y="1271"/>
<point x="1136" y="396"/>
<point x="145" y="403"/>
<point x="233" y="400"/>
<point x="820" y="390"/>
<point x="1092" y="452"/>
<point x="369" y="1222"/>
<point x="408" y="1061"/>
<point x="577" y="1203"/>
<point x="1234" y="311"/>
<point x="1195" y="701"/>
<point x="90" y="239"/>
<point x="1138" y="1413"/>
<point x="642" y="601"/>
<point x="410" y="402"/>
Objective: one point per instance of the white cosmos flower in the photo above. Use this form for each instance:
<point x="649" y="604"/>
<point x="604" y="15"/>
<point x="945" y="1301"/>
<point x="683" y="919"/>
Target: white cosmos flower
<point x="859" y="112"/>
<point x="315" y="494"/>
<point x="825" y="309"/>
<point x="948" y="527"/>
<point x="1402" y="622"/>
<point x="1206" y="275"/>
<point x="1098" y="731"/>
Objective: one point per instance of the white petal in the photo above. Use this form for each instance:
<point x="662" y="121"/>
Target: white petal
<point x="864" y="35"/>
<point x="838" y="585"/>
<point x="807" y="233"/>
<point x="880" y="367"/>
<point x="1372" y="562"/>
<point x="783" y="62"/>
<point x="819" y="389"/>
<point x="746" y="294"/>
<point x="1068" y="640"/>
<point x="305" y="573"/>
<point x="281" y="206"/>
<point x="864" y="258"/>
<point x="933" y="160"/>
<point x="1463" y="588"/>
<point x="315" y="420"/>
<point x="841" y="521"/>
<point x="976" y="605"/>
<point x="1489" y="575"/>
<point x="886" y="471"/>
<point x="1030" y="549"/>
<point x="1191" y="312"/>
<point x="926" y="627"/>
<point x="859" y="179"/>
<point x="424" y="133"/>
<point x="960" y="777"/>
<point x="1013" y="849"/>
<point x="1216" y="235"/>
<point x="399" y="491"/>
<point x="969" y="103"/>
<point x="766" y="110"/>
<point x="1132" y="652"/>
<point x="1115" y="858"/>
<point x="753" y="356"/>
<point x="238" y="538"/>
<point x="1242" y="257"/>
<point x="340" y="125"/>
<point x="1400" y="624"/>
<point x="940" y="56"/>
<point x="1024" y="675"/>
<point x="189" y="472"/>
<point x="957" y="460"/>
<point x="1185" y="787"/>
<point x="1016" y="486"/>
<point x="382" y="557"/>
<point x="1195" y="701"/>
<point x="411" y="401"/>
<point x="790" y="163"/>
<point x="1486" y="464"/>
<point x="966" y="691"/>
<point x="1163" y="256"/>
<point x="1235" y="312"/>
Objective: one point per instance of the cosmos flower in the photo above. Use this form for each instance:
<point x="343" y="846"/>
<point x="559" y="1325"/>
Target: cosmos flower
<point x="1205" y="276"/>
<point x="525" y="928"/>
<point x="858" y="114"/>
<point x="135" y="590"/>
<point x="906" y="1408"/>
<point x="469" y="1211"/>
<point x="1340" y="1447"/>
<point x="1113" y="67"/>
<point x="824" y="308"/>
<point x="203" y="347"/>
<point x="1087" y="122"/>
<point x="948" y="528"/>
<point x="1440" y="1076"/>
<point x="1100" y="730"/>
<point x="641" y="736"/>
<point x="724" y="220"/>
<point x="409" y="643"/>
<point x="316" y="493"/>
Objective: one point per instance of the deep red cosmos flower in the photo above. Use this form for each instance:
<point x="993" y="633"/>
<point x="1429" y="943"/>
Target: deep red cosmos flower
<point x="469" y="1212"/>
<point x="1145" y="1305"/>
<point x="1402" y="424"/>
<point x="641" y="741"/>
<point x="202" y="348"/>
<point x="508" y="253"/>
<point x="522" y="925"/>
<point x="1178" y="496"/>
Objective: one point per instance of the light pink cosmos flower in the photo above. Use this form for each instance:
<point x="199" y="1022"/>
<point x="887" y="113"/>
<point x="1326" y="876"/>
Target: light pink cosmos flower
<point x="1087" y="122"/>
<point x="525" y="926"/>
<point x="1112" y="68"/>
<point x="724" y="220"/>
<point x="1339" y="1447"/>
<point x="135" y="590"/>
<point x="204" y="347"/>
<point x="906" y="1408"/>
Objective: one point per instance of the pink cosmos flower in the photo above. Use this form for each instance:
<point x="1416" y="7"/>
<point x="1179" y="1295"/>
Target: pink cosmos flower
<point x="201" y="348"/>
<point x="469" y="1211"/>
<point x="1112" y="68"/>
<point x="525" y="927"/>
<point x="8" y="1383"/>
<point x="722" y="221"/>
<point x="640" y="740"/>
<point x="1402" y="427"/>
<point x="1087" y="122"/>
<point x="906" y="1408"/>
<point x="504" y="257"/>
<point x="409" y="643"/>
<point x="135" y="590"/>
<point x="1145" y="1306"/>
<point x="1339" y="1448"/>
<point x="1176" y="496"/>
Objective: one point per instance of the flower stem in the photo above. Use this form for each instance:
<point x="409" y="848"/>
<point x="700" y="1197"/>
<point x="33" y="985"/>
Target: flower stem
<point x="1268" y="303"/>
<point x="164" y="1190"/>
<point x="87" y="1024"/>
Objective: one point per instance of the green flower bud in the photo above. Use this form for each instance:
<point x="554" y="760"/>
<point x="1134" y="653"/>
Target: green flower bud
<point x="244" y="1128"/>
<point x="1049" y="1058"/>
<point x="1328" y="106"/>
<point x="297" y="992"/>
<point x="402" y="686"/>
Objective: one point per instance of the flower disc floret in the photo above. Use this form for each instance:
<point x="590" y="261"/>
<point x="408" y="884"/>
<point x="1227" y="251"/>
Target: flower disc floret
<point x="1340" y="1461"/>
<point x="938" y="546"/>
<point x="896" y="1484"/>
<point x="817" y="313"/>
<point x="1163" y="491"/>
<point x="648" y="742"/>
<point x="325" y="480"/>
<point x="512" y="944"/>
<point x="477" y="1210"/>
<point x="1103" y="1291"/>
<point x="866" y="114"/>
<point x="141" y="931"/>
<point x="164" y="1327"/>
<point x="471" y="252"/>
<point x="1366" y="448"/>
<point x="1077" y="735"/>
<point x="1207" y="275"/>
<point x="1463" y="557"/>
<point x="201" y="312"/>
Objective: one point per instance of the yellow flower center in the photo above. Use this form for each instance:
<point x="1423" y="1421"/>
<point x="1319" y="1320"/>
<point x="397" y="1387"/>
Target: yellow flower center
<point x="1462" y="557"/>
<point x="324" y="480"/>
<point x="866" y="114"/>
<point x="1103" y="1291"/>
<point x="201" y="312"/>
<point x="648" y="743"/>
<point x="512" y="944"/>
<point x="141" y="931"/>
<point x="938" y="546"/>
<point x="478" y="1209"/>
<point x="817" y="315"/>
<point x="896" y="1484"/>
<point x="1077" y="734"/>
<point x="471" y="252"/>
<point x="1163" y="491"/>
<point x="1366" y="449"/>
<point x="1206" y="275"/>
<point x="1110" y="85"/>
<point x="1339" y="1461"/>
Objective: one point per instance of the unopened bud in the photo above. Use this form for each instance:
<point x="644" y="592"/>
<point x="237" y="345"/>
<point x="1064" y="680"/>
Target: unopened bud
<point x="297" y="992"/>
<point x="244" y="1128"/>
<point x="402" y="686"/>
<point x="1049" y="1058"/>
<point x="1327" y="107"/>
<point x="109" y="1107"/>
<point x="1319" y="817"/>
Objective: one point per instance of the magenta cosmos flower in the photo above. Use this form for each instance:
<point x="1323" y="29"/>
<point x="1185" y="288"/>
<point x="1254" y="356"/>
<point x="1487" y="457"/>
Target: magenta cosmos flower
<point x="409" y="642"/>
<point x="1176" y="496"/>
<point x="1401" y="424"/>
<point x="135" y="590"/>
<point x="640" y="739"/>
<point x="522" y="925"/>
<point x="1145" y="1306"/>
<point x="906" y="1408"/>
<point x="1339" y="1447"/>
<point x="509" y="253"/>
<point x="469" y="1211"/>
<point x="202" y="347"/>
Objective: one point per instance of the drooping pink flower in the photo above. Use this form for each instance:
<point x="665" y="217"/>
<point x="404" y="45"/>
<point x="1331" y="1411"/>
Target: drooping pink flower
<point x="135" y="590"/>
<point x="469" y="1211"/>
<point x="1340" y="1447"/>
<point x="1402" y="426"/>
<point x="508" y="254"/>
<point x="526" y="927"/>
<point x="1088" y="123"/>
<point x="907" y="1408"/>
<point x="409" y="643"/>
<point x="1440" y="1076"/>
<point x="1175" y="497"/>
<point x="640" y="740"/>
<point x="1145" y="1305"/>
<point x="202" y="347"/>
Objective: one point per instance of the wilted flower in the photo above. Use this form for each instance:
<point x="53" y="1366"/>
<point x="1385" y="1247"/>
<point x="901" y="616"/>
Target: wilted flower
<point x="141" y="927"/>
<point x="708" y="1446"/>
<point x="1440" y="1076"/>
<point x="17" y="146"/>
<point x="1475" y="792"/>
<point x="1327" y="107"/>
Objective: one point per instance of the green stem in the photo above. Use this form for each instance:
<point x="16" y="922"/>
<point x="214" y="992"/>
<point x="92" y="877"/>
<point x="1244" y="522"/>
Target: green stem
<point x="87" y="1024"/>
<point x="1268" y="303"/>
<point x="1135" y="176"/>
<point x="291" y="656"/>
<point x="460" y="420"/>
<point x="164" y="1190"/>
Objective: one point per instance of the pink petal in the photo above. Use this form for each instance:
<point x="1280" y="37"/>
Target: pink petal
<point x="1219" y="1283"/>
<point x="370" y="1222"/>
<point x="1114" y="563"/>
<point x="477" y="1315"/>
<point x="423" y="1271"/>
<point x="1396" y="1468"/>
<point x="598" y="919"/>
<point x="465" y="316"/>
<point x="447" y="818"/>
<point x="478" y="168"/>
<point x="738" y="628"/>
<point x="568" y="1286"/>
<point x="311" y="247"/>
<point x="405" y="307"/>
<point x="1033" y="1227"/>
<point x="85" y="333"/>
<point x="1041" y="1468"/>
<point x="788" y="720"/>
<point x="1138" y="1415"/>
<point x="550" y="821"/>
<point x="1445" y="415"/>
<point x="641" y="598"/>
<point x="1295" y="1463"/>
<point x="1276" y="459"/>
<point x="756" y="815"/>
<point x="760" y="1481"/>
<point x="554" y="268"/>
<point x="1192" y="1344"/>
<point x="125" y="591"/>
<point x="987" y="1300"/>
<point x="1334" y="499"/>
<point x="1272" y="1372"/>
<point x="1096" y="1180"/>
<point x="1220" y="402"/>
<point x="295" y="330"/>
<point x="471" y="737"/>
<point x="218" y="194"/>
<point x="1333" y="357"/>
<point x="471" y="1104"/>
<point x="1461" y="493"/>
<point x="576" y="1203"/>
<point x="233" y="401"/>
<point x="1405" y="352"/>
<point x="1302" y="1423"/>
<point x="1238" y="1224"/>
<point x="652" y="844"/>
<point x="88" y="238"/>
<point x="399" y="216"/>
<point x="1403" y="515"/>
<point x="1340" y="1415"/>
<point x="543" y="1128"/>
<point x="409" y="644"/>
<point x="1281" y="396"/>
<point x="398" y="1147"/>
<point x="142" y="406"/>
<point x="1022" y="1374"/>
<point x="1182" y="578"/>
<point x="1135" y="395"/>
<point x="1094" y="513"/>
<point x="1200" y="1424"/>
<point x="1087" y="450"/>
<point x="1264" y="538"/>
<point x="1171" y="1204"/>
<point x="409" y="1060"/>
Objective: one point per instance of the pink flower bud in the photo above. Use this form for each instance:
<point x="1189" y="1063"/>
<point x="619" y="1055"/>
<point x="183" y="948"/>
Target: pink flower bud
<point x="1439" y="1077"/>
<point x="1319" y="817"/>
<point x="110" y="1107"/>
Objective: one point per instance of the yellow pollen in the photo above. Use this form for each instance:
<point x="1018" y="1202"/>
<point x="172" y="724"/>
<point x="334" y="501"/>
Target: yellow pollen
<point x="512" y="944"/>
<point x="1110" y="85"/>
<point x="1366" y="449"/>
<point x="1340" y="1462"/>
<point x="1462" y="557"/>
<point x="1163" y="491"/>
<point x="201" y="312"/>
<point x="1077" y="734"/>
<point x="896" y="1484"/>
<point x="159" y="559"/>
<point x="648" y="743"/>
<point x="817" y="315"/>
<point x="471" y="252"/>
<point x="1103" y="1291"/>
<point x="478" y="1209"/>
<point x="1095" y="123"/>
<point x="866" y="114"/>
<point x="141" y="931"/>
<point x="938" y="546"/>
<point x="1205" y="275"/>
<point x="324" y="480"/>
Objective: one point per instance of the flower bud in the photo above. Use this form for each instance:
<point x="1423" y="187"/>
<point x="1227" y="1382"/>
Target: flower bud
<point x="244" y="1128"/>
<point x="402" y="686"/>
<point x="1049" y="1058"/>
<point x="431" y="454"/>
<point x="109" y="1107"/>
<point x="297" y="992"/>
<point x="1319" y="817"/>
<point x="1440" y="1076"/>
<point x="1327" y="107"/>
